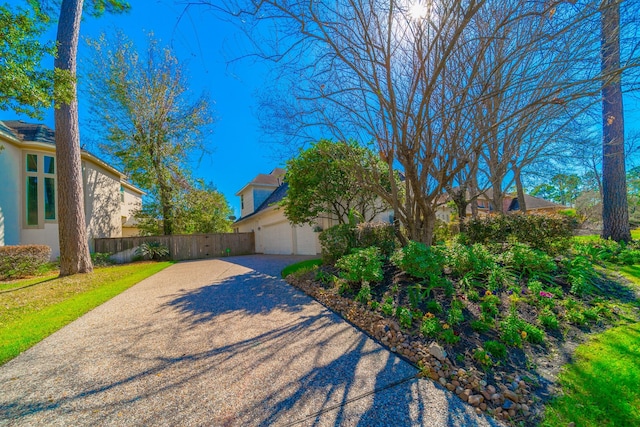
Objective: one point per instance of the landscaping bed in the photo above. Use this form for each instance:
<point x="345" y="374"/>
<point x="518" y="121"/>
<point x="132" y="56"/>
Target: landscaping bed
<point x="492" y="323"/>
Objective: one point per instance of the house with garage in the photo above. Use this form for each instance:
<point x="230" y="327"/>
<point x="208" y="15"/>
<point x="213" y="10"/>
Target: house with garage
<point x="28" y="197"/>
<point x="274" y="233"/>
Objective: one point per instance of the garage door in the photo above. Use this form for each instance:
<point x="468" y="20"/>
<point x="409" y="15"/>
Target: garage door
<point x="277" y="239"/>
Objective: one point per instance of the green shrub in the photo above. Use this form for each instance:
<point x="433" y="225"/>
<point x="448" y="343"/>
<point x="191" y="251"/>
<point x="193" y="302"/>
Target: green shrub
<point x="417" y="294"/>
<point x="548" y="233"/>
<point x="387" y="306"/>
<point x="420" y="261"/>
<point x="475" y="260"/>
<point x="496" y="349"/>
<point x="480" y="326"/>
<point x="482" y="357"/>
<point x="100" y="259"/>
<point x="405" y="317"/>
<point x="364" y="294"/>
<point x="337" y="242"/>
<point x="430" y="327"/>
<point x="378" y="234"/>
<point x="529" y="262"/>
<point x="23" y="260"/>
<point x="434" y="307"/>
<point x="489" y="307"/>
<point x="363" y="265"/>
<point x="511" y="330"/>
<point x="455" y="316"/>
<point x="449" y="336"/>
<point x="548" y="319"/>
<point x="152" y="250"/>
<point x="533" y="334"/>
<point x="580" y="274"/>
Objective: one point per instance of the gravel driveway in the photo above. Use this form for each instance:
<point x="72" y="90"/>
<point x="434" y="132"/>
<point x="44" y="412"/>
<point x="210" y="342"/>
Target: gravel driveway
<point x="220" y="342"/>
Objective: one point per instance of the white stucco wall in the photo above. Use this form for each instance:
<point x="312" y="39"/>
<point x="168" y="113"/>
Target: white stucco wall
<point x="247" y="202"/>
<point x="102" y="201"/>
<point x="10" y="200"/>
<point x="42" y="236"/>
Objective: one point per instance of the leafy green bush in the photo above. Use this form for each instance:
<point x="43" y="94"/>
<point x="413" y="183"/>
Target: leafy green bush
<point x="152" y="250"/>
<point x="548" y="319"/>
<point x="405" y="317"/>
<point x="417" y="294"/>
<point x="449" y="336"/>
<point x="489" y="307"/>
<point x="529" y="262"/>
<point x="420" y="261"/>
<point x="430" y="327"/>
<point x="480" y="326"/>
<point x="23" y="260"/>
<point x="387" y="306"/>
<point x="496" y="349"/>
<point x="364" y="294"/>
<point x="363" y="265"/>
<point x="548" y="233"/>
<point x="100" y="259"/>
<point x="533" y="334"/>
<point x="337" y="242"/>
<point x="455" y="316"/>
<point x="378" y="234"/>
<point x="475" y="261"/>
<point x="580" y="274"/>
<point x="483" y="358"/>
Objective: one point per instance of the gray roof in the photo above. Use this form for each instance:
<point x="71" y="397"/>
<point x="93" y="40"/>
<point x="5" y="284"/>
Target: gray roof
<point x="31" y="131"/>
<point x="275" y="197"/>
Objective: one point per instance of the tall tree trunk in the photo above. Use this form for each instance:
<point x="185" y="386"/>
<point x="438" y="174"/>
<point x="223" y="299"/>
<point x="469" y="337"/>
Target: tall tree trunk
<point x="74" y="246"/>
<point x="615" y="213"/>
<point x="522" y="203"/>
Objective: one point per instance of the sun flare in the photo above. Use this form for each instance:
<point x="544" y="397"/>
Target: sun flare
<point x="418" y="10"/>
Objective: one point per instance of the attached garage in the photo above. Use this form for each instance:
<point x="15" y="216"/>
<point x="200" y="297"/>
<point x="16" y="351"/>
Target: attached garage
<point x="276" y="239"/>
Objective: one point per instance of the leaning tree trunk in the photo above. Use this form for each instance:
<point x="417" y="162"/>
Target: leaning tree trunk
<point x="74" y="246"/>
<point x="615" y="213"/>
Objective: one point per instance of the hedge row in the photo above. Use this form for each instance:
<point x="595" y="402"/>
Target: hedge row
<point x="23" y="260"/>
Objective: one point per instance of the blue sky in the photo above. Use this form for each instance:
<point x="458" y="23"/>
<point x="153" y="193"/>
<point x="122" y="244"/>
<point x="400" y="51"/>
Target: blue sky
<point x="206" y="45"/>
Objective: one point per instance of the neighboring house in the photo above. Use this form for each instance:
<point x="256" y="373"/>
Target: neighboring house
<point x="28" y="197"/>
<point x="274" y="234"/>
<point x="510" y="204"/>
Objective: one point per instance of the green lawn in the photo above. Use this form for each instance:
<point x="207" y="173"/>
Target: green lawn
<point x="35" y="308"/>
<point x="635" y="235"/>
<point x="300" y="266"/>
<point x="602" y="386"/>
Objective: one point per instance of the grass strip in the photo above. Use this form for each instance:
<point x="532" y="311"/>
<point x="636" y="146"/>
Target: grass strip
<point x="302" y="265"/>
<point x="32" y="313"/>
<point x="601" y="387"/>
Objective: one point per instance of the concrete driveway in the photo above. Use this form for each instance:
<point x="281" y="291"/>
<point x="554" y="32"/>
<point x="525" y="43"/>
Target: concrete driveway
<point x="220" y="342"/>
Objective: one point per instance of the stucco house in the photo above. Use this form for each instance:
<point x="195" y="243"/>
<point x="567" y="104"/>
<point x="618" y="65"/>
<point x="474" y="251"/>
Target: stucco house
<point x="28" y="197"/>
<point x="274" y="234"/>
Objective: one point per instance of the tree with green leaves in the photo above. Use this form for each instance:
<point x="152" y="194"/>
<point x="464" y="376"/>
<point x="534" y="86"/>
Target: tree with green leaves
<point x="324" y="182"/>
<point x="199" y="208"/>
<point x="202" y="209"/>
<point x="563" y="189"/>
<point x="151" y="124"/>
<point x="25" y="87"/>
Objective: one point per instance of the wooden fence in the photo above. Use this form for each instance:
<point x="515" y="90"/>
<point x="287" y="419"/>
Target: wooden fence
<point x="181" y="247"/>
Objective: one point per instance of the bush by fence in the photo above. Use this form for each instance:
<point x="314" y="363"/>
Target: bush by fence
<point x="23" y="260"/>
